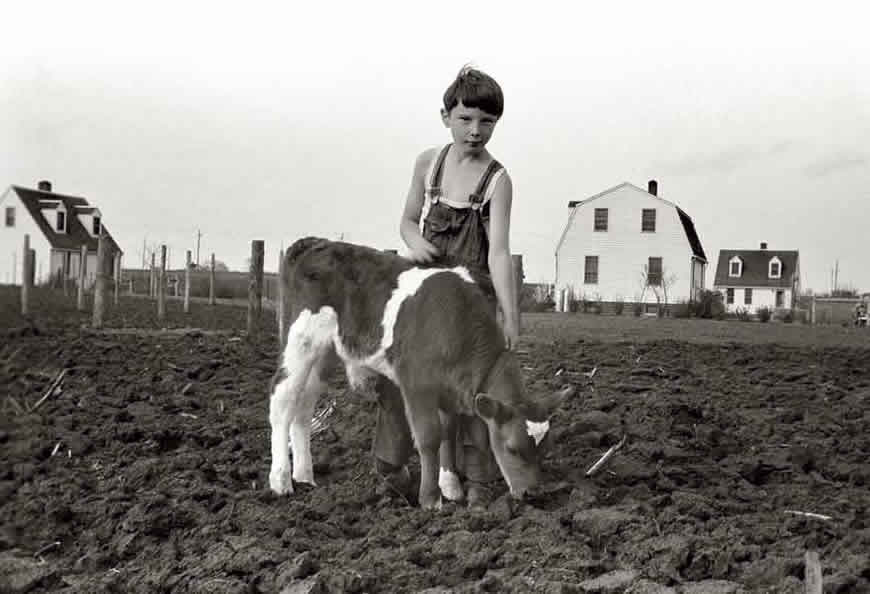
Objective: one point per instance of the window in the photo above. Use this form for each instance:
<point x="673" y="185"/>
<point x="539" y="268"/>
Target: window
<point x="61" y="221"/>
<point x="729" y="296"/>
<point x="601" y="219"/>
<point x="780" y="298"/>
<point x="590" y="272"/>
<point x="96" y="225"/>
<point x="735" y="267"/>
<point x="654" y="272"/>
<point x="10" y="216"/>
<point x="747" y="296"/>
<point x="648" y="220"/>
<point x="775" y="268"/>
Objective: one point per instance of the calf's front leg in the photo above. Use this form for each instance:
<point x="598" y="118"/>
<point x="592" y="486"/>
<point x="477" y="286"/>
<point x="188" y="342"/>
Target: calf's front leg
<point x="426" y="429"/>
<point x="448" y="477"/>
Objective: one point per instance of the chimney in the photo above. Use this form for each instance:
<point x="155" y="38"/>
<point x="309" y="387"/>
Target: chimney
<point x="653" y="187"/>
<point x="44" y="185"/>
<point x="764" y="245"/>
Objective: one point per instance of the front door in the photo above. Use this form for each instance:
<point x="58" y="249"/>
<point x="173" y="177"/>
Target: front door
<point x="780" y="298"/>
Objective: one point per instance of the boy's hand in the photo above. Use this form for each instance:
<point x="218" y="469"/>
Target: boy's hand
<point x="424" y="252"/>
<point x="511" y="334"/>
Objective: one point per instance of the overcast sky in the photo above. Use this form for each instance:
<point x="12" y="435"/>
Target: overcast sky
<point x="278" y="121"/>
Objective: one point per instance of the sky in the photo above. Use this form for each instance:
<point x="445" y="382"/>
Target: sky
<point x="270" y="121"/>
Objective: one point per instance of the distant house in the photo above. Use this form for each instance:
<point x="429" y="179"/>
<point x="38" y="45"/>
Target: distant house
<point x="58" y="225"/>
<point x="750" y="279"/>
<point x="627" y="244"/>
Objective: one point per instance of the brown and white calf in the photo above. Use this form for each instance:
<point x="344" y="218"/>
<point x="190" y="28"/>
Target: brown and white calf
<point x="431" y="331"/>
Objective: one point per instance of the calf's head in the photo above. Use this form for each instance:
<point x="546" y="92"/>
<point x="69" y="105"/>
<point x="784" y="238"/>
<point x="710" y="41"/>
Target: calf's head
<point x="519" y="436"/>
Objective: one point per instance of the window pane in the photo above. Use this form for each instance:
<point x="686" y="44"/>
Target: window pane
<point x="590" y="273"/>
<point x="10" y="216"/>
<point x="648" y="220"/>
<point x="654" y="271"/>
<point x="729" y="296"/>
<point x="747" y="296"/>
<point x="601" y="219"/>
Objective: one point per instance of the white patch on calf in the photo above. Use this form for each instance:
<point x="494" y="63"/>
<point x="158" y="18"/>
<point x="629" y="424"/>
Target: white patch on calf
<point x="537" y="431"/>
<point x="450" y="485"/>
<point x="409" y="283"/>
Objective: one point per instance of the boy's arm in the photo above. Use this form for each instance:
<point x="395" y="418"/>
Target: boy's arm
<point x="500" y="265"/>
<point x="409" y="226"/>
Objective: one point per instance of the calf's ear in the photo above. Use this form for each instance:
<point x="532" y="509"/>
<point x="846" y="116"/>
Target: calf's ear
<point x="491" y="409"/>
<point x="551" y="402"/>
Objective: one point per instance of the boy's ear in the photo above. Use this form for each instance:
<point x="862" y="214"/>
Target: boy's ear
<point x="445" y="117"/>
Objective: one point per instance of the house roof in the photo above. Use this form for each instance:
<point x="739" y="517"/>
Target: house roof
<point x="755" y="268"/>
<point x="76" y="235"/>
<point x="685" y="219"/>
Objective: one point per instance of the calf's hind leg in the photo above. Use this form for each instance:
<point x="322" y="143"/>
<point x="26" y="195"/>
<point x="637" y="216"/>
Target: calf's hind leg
<point x="300" y="424"/>
<point x="308" y="340"/>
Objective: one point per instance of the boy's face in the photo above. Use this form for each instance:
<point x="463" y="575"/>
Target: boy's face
<point x="471" y="127"/>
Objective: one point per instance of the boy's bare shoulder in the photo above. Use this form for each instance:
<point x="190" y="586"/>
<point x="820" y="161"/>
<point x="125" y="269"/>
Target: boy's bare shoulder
<point x="425" y="158"/>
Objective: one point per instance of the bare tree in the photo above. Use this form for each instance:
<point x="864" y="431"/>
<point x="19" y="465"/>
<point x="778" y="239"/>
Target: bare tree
<point x="660" y="283"/>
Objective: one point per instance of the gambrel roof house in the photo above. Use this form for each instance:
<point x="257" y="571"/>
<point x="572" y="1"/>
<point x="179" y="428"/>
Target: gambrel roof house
<point x="630" y="244"/>
<point x="758" y="278"/>
<point x="58" y="226"/>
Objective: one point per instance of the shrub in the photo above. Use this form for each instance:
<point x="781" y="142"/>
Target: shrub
<point x="742" y="314"/>
<point x="682" y="310"/>
<point x="788" y="317"/>
<point x="618" y="307"/>
<point x="763" y="314"/>
<point x="708" y="304"/>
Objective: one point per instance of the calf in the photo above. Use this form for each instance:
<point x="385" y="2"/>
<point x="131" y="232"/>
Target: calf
<point x="431" y="331"/>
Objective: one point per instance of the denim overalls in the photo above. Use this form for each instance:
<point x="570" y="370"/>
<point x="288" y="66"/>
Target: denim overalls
<point x="459" y="229"/>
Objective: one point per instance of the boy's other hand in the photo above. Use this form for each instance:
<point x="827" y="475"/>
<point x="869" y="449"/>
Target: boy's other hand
<point x="511" y="334"/>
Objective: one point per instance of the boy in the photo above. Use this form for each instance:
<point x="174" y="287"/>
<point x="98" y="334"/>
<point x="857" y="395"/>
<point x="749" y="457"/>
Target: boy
<point x="463" y="196"/>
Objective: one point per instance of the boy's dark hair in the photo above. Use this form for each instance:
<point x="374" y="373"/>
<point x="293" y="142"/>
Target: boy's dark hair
<point x="475" y="89"/>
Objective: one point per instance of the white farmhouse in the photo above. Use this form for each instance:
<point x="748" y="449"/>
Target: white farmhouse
<point x="58" y="226"/>
<point x="750" y="279"/>
<point x="627" y="244"/>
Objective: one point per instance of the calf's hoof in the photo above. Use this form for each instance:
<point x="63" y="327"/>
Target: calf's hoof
<point x="450" y="485"/>
<point x="281" y="481"/>
<point x="431" y="501"/>
<point x="479" y="495"/>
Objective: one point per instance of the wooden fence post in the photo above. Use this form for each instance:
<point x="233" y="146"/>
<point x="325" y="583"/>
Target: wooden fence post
<point x="64" y="272"/>
<point x="83" y="267"/>
<point x="280" y="298"/>
<point x="161" y="285"/>
<point x="116" y="260"/>
<point x="255" y="284"/>
<point x="152" y="279"/>
<point x="813" y="311"/>
<point x="100" y="283"/>
<point x="25" y="277"/>
<point x="519" y="278"/>
<point x="187" y="284"/>
<point x="211" y="282"/>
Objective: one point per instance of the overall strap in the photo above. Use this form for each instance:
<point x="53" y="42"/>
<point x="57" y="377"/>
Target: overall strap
<point x="437" y="171"/>
<point x="478" y="197"/>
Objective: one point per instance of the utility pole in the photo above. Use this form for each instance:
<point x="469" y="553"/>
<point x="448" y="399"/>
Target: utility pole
<point x="836" y="275"/>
